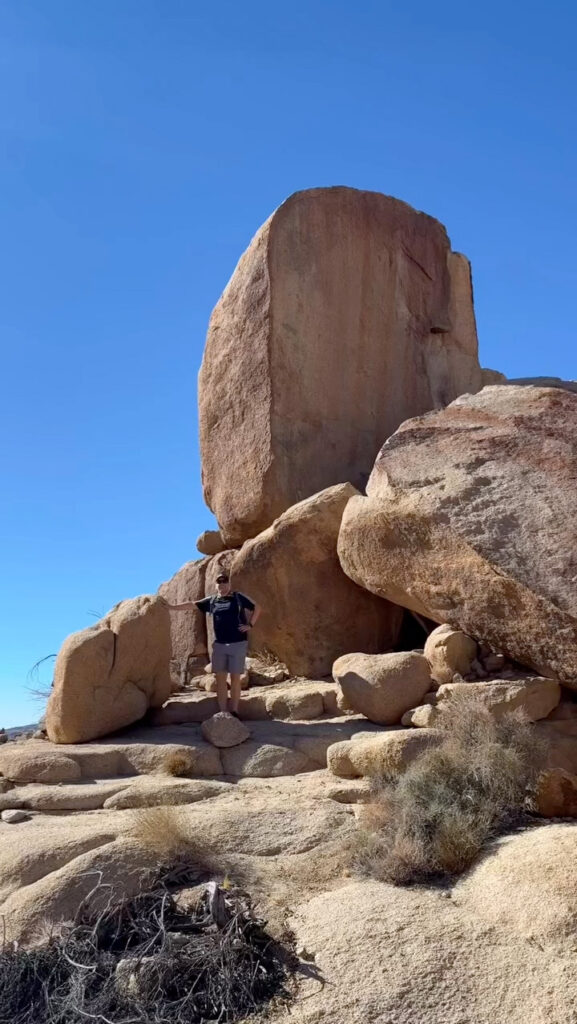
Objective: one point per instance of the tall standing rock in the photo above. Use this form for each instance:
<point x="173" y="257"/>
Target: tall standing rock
<point x="107" y="676"/>
<point x="311" y="612"/>
<point x="347" y="314"/>
<point x="471" y="519"/>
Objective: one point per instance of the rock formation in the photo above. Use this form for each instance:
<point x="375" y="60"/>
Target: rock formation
<point x="471" y="519"/>
<point x="108" y="675"/>
<point x="312" y="613"/>
<point x="347" y="314"/>
<point x="187" y="629"/>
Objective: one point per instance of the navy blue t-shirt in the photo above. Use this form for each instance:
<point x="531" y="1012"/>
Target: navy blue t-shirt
<point x="228" y="614"/>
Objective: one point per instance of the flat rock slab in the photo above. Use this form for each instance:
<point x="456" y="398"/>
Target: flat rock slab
<point x="181" y="750"/>
<point x="298" y="700"/>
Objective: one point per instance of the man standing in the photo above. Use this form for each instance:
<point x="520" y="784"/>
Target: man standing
<point x="234" y="614"/>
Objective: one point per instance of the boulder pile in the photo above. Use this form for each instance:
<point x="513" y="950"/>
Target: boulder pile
<point x="406" y="520"/>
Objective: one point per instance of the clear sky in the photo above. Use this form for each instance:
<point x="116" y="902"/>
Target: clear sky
<point x="143" y="143"/>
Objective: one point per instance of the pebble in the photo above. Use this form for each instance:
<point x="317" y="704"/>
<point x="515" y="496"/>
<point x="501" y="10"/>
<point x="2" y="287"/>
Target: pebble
<point x="14" y="817"/>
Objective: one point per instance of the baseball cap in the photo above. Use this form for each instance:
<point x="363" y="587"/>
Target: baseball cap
<point x="222" y="577"/>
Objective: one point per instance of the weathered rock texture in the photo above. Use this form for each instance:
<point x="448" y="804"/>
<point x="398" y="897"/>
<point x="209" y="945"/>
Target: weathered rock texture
<point x="187" y="629"/>
<point x="347" y="314"/>
<point x="108" y="676"/>
<point x="311" y="612"/>
<point x="471" y="519"/>
<point x="383" y="686"/>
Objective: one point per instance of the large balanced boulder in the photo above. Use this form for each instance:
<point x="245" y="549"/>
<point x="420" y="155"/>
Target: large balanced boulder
<point x="347" y="314"/>
<point x="108" y="675"/>
<point x="383" y="686"/>
<point x="471" y="519"/>
<point x="187" y="629"/>
<point x="311" y="612"/>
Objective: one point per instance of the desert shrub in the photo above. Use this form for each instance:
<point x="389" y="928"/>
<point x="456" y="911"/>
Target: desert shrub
<point x="178" y="763"/>
<point x="434" y="819"/>
<point x="149" y="959"/>
<point x="164" y="831"/>
<point x="266" y="657"/>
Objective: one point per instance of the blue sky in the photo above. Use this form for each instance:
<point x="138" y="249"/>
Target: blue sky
<point x="143" y="143"/>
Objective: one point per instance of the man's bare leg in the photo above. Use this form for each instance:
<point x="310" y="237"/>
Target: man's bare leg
<point x="234" y="691"/>
<point x="221" y="691"/>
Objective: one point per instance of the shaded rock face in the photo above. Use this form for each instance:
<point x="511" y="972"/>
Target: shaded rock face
<point x="556" y="795"/>
<point x="187" y="629"/>
<point x="347" y="314"/>
<point x="108" y="676"/>
<point x="471" y="519"/>
<point x="312" y="613"/>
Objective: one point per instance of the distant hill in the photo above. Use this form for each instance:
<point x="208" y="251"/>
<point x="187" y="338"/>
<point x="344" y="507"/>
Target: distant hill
<point x="17" y="729"/>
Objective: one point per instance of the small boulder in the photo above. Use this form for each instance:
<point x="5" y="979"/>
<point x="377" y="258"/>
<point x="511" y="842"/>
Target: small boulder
<point x="389" y="752"/>
<point x="210" y="542"/>
<point x="556" y="795"/>
<point x="383" y="686"/>
<point x="448" y="650"/>
<point x="423" y="717"/>
<point x="224" y="730"/>
<point x="14" y="817"/>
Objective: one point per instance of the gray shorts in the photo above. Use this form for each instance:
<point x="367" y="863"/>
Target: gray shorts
<point x="229" y="657"/>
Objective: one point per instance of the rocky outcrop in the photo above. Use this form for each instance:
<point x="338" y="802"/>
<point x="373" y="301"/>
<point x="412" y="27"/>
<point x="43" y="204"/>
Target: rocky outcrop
<point x="347" y="314"/>
<point x="187" y="629"/>
<point x="108" y="676"/>
<point x="311" y="612"/>
<point x="382" y="686"/>
<point x="471" y="519"/>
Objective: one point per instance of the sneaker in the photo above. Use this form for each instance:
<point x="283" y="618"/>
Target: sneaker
<point x="235" y="714"/>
